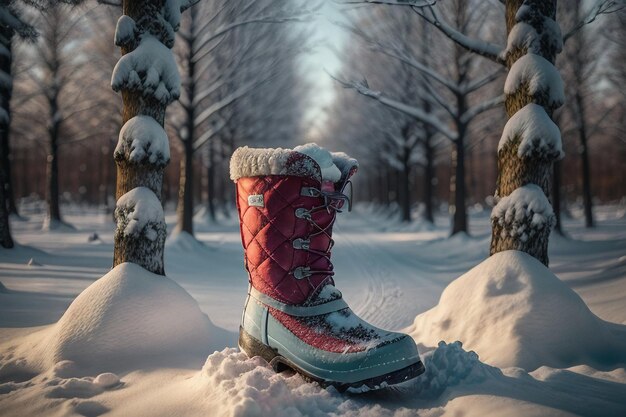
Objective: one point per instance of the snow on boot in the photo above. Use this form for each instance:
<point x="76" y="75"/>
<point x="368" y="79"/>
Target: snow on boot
<point x="294" y="317"/>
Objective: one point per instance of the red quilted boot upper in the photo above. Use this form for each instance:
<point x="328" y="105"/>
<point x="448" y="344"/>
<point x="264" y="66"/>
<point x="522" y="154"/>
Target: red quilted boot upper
<point x="286" y="217"/>
<point x="274" y="237"/>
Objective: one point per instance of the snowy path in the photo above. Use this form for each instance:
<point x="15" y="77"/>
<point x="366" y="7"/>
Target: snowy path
<point x="378" y="267"/>
<point x="389" y="274"/>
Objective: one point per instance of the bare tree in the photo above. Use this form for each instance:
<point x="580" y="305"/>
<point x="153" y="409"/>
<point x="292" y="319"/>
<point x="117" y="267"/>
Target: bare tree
<point x="53" y="81"/>
<point x="260" y="97"/>
<point x="457" y="85"/>
<point x="105" y="119"/>
<point x="580" y="64"/>
<point x="209" y="63"/>
<point x="11" y="23"/>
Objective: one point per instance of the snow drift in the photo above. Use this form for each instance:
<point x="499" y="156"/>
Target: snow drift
<point x="129" y="315"/>
<point x="514" y="312"/>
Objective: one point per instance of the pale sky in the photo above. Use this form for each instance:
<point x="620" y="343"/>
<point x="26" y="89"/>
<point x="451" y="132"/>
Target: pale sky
<point x="324" y="59"/>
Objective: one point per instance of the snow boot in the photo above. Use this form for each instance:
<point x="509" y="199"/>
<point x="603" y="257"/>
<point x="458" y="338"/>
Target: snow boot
<point x="294" y="317"/>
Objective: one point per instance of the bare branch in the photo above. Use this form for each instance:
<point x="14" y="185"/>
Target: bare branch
<point x="217" y="106"/>
<point x="601" y="7"/>
<point x="481" y="108"/>
<point x="477" y="84"/>
<point x="427" y="118"/>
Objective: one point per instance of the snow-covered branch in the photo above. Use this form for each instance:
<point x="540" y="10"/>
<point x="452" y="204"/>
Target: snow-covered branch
<point x="427" y="118"/>
<point x="485" y="49"/>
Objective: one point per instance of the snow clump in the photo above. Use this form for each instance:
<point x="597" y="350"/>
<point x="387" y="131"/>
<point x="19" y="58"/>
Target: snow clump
<point x="125" y="31"/>
<point x="143" y="138"/>
<point x="142" y="212"/>
<point x="526" y="212"/>
<point x="537" y="133"/>
<point x="540" y="77"/>
<point x="446" y="366"/>
<point x="150" y="69"/>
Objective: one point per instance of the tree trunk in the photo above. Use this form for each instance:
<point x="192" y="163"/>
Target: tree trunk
<point x="457" y="181"/>
<point x="6" y="241"/>
<point x="184" y="210"/>
<point x="5" y="112"/>
<point x="584" y="159"/>
<point x="146" y="246"/>
<point x="429" y="176"/>
<point x="52" y="169"/>
<point x="556" y="198"/>
<point x="406" y="193"/>
<point x="6" y="92"/>
<point x="510" y="230"/>
<point x="405" y="177"/>
<point x="211" y="183"/>
<point x="457" y="187"/>
<point x="6" y="161"/>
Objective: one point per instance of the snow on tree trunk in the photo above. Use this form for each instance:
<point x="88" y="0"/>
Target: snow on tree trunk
<point x="148" y="79"/>
<point x="530" y="142"/>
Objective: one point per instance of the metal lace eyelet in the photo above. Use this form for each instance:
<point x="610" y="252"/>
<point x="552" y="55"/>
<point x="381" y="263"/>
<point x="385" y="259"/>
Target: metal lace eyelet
<point x="300" y="243"/>
<point x="310" y="192"/>
<point x="302" y="272"/>
<point x="302" y="213"/>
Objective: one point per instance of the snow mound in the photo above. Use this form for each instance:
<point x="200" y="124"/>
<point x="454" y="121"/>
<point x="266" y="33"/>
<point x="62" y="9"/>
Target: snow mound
<point x="50" y="225"/>
<point x="183" y="242"/>
<point x="127" y="315"/>
<point x="513" y="311"/>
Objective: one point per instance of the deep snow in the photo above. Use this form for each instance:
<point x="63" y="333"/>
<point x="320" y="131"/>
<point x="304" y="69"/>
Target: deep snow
<point x="388" y="278"/>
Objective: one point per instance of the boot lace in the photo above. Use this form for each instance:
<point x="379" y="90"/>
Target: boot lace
<point x="333" y="201"/>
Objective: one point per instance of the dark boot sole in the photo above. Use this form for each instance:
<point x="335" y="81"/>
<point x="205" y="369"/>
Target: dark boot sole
<point x="253" y="347"/>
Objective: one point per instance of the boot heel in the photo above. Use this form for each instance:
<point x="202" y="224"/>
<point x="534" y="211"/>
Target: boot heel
<point x="253" y="347"/>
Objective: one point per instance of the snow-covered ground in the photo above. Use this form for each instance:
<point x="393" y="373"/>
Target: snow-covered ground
<point x="542" y="348"/>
